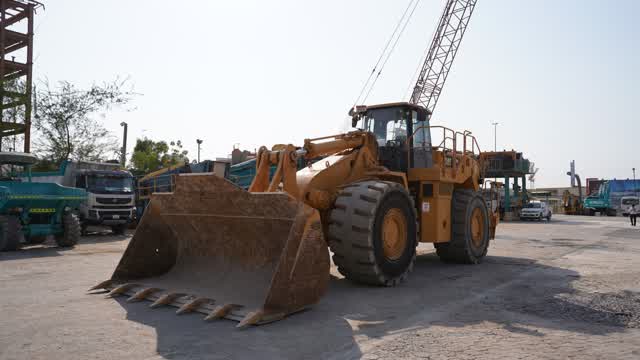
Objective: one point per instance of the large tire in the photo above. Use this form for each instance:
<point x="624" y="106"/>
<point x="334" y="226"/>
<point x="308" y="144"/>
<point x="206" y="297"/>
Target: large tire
<point x="10" y="233"/>
<point x="119" y="229"/>
<point x="469" y="229"/>
<point x="72" y="231"/>
<point x="372" y="233"/>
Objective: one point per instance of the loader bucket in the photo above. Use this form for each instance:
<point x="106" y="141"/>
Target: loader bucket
<point x="214" y="248"/>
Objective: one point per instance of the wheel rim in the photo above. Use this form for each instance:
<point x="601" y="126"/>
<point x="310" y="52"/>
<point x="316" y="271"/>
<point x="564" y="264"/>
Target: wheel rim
<point x="477" y="227"/>
<point x="394" y="234"/>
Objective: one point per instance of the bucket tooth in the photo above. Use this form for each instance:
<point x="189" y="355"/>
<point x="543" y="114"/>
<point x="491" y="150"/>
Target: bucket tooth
<point x="221" y="311"/>
<point x="121" y="289"/>
<point x="102" y="285"/>
<point x="142" y="294"/>
<point x="165" y="299"/>
<point x="191" y="305"/>
<point x="251" y="318"/>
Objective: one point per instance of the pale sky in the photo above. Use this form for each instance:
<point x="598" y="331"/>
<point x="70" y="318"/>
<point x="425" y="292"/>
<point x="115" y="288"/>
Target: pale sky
<point x="559" y="76"/>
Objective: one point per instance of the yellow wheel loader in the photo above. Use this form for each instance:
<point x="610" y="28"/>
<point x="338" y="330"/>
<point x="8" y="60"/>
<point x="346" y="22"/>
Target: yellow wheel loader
<point x="256" y="256"/>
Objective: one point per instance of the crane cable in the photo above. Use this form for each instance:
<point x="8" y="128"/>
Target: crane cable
<point x="401" y="25"/>
<point x="392" y="49"/>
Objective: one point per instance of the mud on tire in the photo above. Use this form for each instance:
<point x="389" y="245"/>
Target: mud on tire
<point x="356" y="232"/>
<point x="462" y="248"/>
<point x="72" y="231"/>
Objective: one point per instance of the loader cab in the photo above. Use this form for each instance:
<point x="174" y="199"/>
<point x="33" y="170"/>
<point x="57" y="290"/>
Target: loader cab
<point x="400" y="129"/>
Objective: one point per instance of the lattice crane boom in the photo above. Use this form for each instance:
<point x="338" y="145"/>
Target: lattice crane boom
<point x="442" y="52"/>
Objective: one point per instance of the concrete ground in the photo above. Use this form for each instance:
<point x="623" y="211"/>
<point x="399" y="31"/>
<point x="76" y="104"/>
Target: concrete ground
<point x="565" y="289"/>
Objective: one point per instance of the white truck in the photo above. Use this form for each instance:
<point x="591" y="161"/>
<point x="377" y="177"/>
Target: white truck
<point x="535" y="210"/>
<point x="627" y="201"/>
<point x="110" y="193"/>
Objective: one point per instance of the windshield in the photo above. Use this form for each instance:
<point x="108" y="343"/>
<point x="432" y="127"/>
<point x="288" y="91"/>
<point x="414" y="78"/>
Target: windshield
<point x="533" y="205"/>
<point x="390" y="125"/>
<point x="110" y="184"/>
<point x="630" y="201"/>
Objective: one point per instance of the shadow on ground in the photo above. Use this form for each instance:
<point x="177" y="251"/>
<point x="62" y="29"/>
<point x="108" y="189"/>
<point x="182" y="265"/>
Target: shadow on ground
<point x="105" y="236"/>
<point x="513" y="292"/>
<point x="49" y="247"/>
<point x="554" y="221"/>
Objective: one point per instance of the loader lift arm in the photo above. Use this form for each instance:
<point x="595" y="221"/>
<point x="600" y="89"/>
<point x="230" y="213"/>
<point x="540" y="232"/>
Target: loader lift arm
<point x="346" y="158"/>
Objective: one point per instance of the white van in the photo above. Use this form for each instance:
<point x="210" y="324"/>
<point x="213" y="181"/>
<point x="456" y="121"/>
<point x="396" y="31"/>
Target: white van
<point x="627" y="201"/>
<point x="536" y="210"/>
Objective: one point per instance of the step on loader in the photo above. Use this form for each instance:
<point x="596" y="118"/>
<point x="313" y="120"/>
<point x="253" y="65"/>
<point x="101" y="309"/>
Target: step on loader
<point x="256" y="256"/>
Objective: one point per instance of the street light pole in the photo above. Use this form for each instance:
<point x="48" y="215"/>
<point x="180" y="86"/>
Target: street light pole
<point x="635" y="188"/>
<point x="199" y="143"/>
<point x="495" y="136"/>
<point x="123" y="155"/>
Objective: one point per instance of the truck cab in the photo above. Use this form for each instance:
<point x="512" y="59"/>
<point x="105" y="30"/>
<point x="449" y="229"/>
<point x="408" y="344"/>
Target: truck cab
<point x="627" y="201"/>
<point x="110" y="199"/>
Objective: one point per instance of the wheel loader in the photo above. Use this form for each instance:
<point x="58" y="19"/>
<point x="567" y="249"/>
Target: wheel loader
<point x="256" y="256"/>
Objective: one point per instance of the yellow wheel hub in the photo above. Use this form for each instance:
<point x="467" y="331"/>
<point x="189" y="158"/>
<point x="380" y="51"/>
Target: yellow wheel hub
<point x="394" y="234"/>
<point x="477" y="227"/>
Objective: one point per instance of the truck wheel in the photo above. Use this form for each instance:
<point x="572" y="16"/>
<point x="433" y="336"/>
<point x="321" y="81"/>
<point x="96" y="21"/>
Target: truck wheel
<point x="10" y="233"/>
<point x="372" y="233"/>
<point x="71" y="233"/>
<point x="549" y="217"/>
<point x="119" y="229"/>
<point x="469" y="229"/>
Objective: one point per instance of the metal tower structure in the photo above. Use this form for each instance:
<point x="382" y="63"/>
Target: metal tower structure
<point x="16" y="41"/>
<point x="442" y="52"/>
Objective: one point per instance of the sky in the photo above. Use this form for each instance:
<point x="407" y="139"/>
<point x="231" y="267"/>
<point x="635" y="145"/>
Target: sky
<point x="560" y="77"/>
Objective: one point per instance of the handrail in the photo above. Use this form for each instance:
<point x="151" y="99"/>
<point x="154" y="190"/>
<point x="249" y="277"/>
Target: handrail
<point x="146" y="191"/>
<point x="469" y="142"/>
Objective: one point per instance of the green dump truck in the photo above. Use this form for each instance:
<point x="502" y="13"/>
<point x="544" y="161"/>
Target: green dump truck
<point x="29" y="212"/>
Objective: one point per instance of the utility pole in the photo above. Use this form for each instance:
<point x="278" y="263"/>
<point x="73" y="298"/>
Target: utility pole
<point x="199" y="141"/>
<point x="123" y="155"/>
<point x="495" y="136"/>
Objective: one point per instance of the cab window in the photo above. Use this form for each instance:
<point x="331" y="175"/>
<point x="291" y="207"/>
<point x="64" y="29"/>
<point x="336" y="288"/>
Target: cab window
<point x="422" y="134"/>
<point x="389" y="125"/>
<point x="80" y="182"/>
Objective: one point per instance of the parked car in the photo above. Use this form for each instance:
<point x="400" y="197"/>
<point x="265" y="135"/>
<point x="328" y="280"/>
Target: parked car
<point x="626" y="202"/>
<point x="536" y="210"/>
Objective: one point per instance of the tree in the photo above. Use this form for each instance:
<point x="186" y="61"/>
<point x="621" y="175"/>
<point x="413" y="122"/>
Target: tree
<point x="64" y="118"/>
<point x="149" y="155"/>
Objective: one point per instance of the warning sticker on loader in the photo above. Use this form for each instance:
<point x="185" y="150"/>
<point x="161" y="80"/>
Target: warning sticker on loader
<point x="425" y="206"/>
